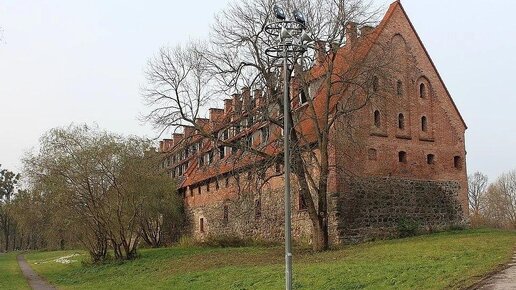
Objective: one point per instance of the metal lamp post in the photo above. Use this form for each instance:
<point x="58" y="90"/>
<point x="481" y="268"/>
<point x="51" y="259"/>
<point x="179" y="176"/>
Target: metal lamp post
<point x="289" y="45"/>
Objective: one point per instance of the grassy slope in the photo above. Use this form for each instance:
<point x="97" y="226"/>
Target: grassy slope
<point x="452" y="259"/>
<point x="11" y="276"/>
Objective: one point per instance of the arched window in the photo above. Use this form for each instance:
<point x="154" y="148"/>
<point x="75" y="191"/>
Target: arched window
<point x="377" y="122"/>
<point x="402" y="157"/>
<point x="424" y="125"/>
<point x="399" y="88"/>
<point x="430" y="158"/>
<point x="401" y="121"/>
<point x="422" y="90"/>
<point x="457" y="162"/>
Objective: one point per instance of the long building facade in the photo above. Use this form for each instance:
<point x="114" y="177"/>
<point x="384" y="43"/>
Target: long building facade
<point x="407" y="167"/>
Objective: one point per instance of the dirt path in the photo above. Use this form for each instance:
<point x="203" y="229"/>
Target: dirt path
<point x="505" y="279"/>
<point x="35" y="281"/>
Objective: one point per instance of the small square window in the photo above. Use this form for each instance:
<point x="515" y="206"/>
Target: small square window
<point x="402" y="157"/>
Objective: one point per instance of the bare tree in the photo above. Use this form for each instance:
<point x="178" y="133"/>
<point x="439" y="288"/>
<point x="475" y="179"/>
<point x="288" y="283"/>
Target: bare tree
<point x="477" y="185"/>
<point x="499" y="207"/>
<point x="336" y="78"/>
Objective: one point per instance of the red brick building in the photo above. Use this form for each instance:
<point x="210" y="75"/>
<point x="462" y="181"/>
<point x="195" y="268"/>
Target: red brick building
<point x="408" y="165"/>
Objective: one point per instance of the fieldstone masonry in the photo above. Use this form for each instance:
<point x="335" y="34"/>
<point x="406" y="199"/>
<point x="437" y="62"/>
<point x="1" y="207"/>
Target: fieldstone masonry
<point x="374" y="206"/>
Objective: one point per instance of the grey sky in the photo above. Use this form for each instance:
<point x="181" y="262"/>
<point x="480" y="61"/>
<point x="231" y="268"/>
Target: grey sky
<point x="82" y="61"/>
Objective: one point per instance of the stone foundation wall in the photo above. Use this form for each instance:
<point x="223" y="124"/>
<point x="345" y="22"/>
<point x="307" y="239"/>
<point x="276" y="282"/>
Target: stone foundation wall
<point x="375" y="207"/>
<point x="243" y="221"/>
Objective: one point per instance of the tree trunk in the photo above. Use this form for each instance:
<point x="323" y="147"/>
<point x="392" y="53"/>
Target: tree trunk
<point x="320" y="234"/>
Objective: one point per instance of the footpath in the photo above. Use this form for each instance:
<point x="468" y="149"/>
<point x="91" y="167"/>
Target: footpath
<point x="35" y="281"/>
<point x="505" y="279"/>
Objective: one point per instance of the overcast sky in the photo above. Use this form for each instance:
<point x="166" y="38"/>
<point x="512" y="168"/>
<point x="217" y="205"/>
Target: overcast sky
<point x="82" y="61"/>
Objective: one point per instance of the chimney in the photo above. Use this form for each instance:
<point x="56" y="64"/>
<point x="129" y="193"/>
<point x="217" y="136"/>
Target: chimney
<point x="228" y="104"/>
<point x="176" y="137"/>
<point x="351" y="33"/>
<point x="237" y="104"/>
<point x="201" y="122"/>
<point x="189" y="130"/>
<point x="246" y="98"/>
<point x="365" y="30"/>
<point x="161" y="146"/>
<point x="257" y="95"/>
<point x="216" y="115"/>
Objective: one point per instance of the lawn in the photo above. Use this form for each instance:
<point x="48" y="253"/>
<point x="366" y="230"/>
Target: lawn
<point x="444" y="260"/>
<point x="11" y="276"/>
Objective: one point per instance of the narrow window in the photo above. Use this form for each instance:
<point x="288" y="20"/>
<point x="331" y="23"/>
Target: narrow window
<point x="201" y="225"/>
<point x="377" y="119"/>
<point x="249" y="141"/>
<point x="302" y="97"/>
<point x="375" y="84"/>
<point x="402" y="157"/>
<point x="399" y="88"/>
<point x="208" y="187"/>
<point x="227" y="181"/>
<point x="199" y="190"/>
<point x="457" y="162"/>
<point x="210" y="157"/>
<point x="222" y="152"/>
<point x="430" y="158"/>
<point x="265" y="134"/>
<point x="257" y="209"/>
<point x="216" y="184"/>
<point x="424" y="125"/>
<point x="422" y="90"/>
<point x="225" y="218"/>
<point x="371" y="154"/>
<point x="302" y="202"/>
<point x="401" y="121"/>
<point x="191" y="191"/>
<point x="277" y="167"/>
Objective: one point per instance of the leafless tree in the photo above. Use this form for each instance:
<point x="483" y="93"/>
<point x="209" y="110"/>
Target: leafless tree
<point x="499" y="207"/>
<point x="338" y="76"/>
<point x="477" y="185"/>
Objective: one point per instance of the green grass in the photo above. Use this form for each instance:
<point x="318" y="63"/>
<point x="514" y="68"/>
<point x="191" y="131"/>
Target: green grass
<point x="11" y="276"/>
<point x="444" y="260"/>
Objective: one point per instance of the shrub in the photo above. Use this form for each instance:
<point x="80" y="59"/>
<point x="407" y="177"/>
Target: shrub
<point x="407" y="227"/>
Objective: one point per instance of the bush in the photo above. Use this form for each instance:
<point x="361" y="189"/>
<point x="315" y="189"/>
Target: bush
<point x="407" y="227"/>
<point x="227" y="241"/>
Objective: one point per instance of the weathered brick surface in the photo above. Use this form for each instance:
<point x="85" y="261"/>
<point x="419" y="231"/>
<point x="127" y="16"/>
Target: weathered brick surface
<point x="372" y="190"/>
